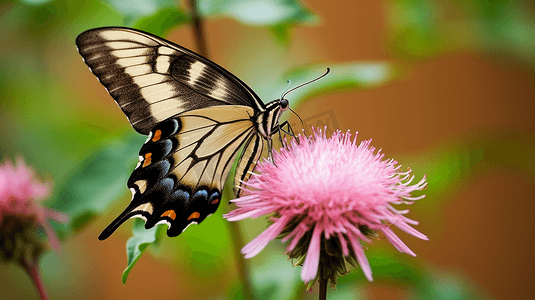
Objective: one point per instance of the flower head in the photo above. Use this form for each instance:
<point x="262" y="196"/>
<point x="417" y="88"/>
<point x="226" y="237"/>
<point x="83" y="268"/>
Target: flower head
<point x="325" y="196"/>
<point x="20" y="210"/>
<point x="20" y="215"/>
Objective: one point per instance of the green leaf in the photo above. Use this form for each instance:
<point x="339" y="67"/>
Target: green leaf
<point x="258" y="12"/>
<point x="341" y="77"/>
<point x="136" y="10"/>
<point x="278" y="15"/>
<point x="138" y="243"/>
<point x="35" y="2"/>
<point x="97" y="182"/>
<point x="162" y="21"/>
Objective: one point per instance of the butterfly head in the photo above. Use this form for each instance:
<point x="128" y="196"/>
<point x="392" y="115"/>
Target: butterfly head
<point x="284" y="104"/>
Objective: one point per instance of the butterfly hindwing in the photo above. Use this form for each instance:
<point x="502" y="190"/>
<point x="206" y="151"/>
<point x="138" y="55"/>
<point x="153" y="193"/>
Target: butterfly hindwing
<point x="152" y="79"/>
<point x="183" y="166"/>
<point x="247" y="162"/>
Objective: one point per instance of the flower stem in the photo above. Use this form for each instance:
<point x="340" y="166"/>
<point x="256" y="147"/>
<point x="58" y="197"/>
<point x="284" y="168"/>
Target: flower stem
<point x="32" y="268"/>
<point x="323" y="286"/>
<point x="243" y="269"/>
<point x="198" y="29"/>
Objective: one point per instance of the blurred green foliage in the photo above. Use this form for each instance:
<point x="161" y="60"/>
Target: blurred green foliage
<point x="154" y="16"/>
<point x="259" y="12"/>
<point x="108" y="169"/>
<point x="90" y="166"/>
<point x="136" y="9"/>
<point x="420" y="29"/>
<point x="278" y="15"/>
<point x="463" y="158"/>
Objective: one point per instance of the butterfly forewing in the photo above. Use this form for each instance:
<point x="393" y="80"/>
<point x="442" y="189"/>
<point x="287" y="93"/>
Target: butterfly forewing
<point x="153" y="79"/>
<point x="197" y="116"/>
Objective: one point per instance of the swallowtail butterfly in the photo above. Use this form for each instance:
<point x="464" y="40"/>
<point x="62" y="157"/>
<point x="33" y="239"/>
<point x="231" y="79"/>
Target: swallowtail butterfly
<point x="197" y="116"/>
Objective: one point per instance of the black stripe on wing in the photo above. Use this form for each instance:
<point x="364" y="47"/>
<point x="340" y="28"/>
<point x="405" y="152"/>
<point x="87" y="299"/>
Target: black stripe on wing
<point x="247" y="162"/>
<point x="153" y="79"/>
<point x="183" y="166"/>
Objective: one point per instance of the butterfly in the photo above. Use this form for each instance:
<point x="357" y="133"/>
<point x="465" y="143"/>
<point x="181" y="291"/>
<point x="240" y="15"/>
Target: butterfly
<point x="197" y="115"/>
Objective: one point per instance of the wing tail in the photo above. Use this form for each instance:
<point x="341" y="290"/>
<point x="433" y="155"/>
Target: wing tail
<point x="128" y="213"/>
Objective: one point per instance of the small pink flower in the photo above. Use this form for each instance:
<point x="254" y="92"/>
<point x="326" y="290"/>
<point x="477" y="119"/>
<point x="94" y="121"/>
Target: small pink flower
<point x="325" y="196"/>
<point x="20" y="215"/>
<point x="20" y="193"/>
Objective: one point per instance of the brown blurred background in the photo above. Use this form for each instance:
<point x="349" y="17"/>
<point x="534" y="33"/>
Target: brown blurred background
<point x="481" y="229"/>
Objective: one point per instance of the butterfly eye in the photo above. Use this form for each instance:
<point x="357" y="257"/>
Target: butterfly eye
<point x="284" y="103"/>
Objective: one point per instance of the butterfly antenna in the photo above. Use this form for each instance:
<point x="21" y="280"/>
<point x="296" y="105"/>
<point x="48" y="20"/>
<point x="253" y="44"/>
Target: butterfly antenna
<point x="296" y="114"/>
<point x="303" y="84"/>
<point x="287" y="88"/>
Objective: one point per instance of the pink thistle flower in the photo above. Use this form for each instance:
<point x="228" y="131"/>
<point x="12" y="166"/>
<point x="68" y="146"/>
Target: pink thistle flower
<point x="20" y="215"/>
<point x="325" y="196"/>
<point x="20" y="194"/>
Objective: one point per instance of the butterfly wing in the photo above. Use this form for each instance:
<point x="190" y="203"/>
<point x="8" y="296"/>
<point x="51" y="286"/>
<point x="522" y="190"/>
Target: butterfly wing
<point x="183" y="166"/>
<point x="152" y="79"/>
<point x="247" y="162"/>
<point x="197" y="116"/>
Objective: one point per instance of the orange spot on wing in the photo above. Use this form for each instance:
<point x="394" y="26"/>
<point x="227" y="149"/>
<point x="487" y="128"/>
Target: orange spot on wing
<point x="157" y="135"/>
<point x="170" y="213"/>
<point x="194" y="215"/>
<point x="148" y="159"/>
<point x="215" y="201"/>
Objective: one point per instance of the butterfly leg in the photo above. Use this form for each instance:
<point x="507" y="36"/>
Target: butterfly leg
<point x="281" y="140"/>
<point x="270" y="150"/>
<point x="289" y="131"/>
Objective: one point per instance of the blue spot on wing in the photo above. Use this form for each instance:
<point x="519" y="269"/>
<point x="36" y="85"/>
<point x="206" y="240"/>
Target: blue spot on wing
<point x="181" y="195"/>
<point x="202" y="194"/>
<point x="215" y="195"/>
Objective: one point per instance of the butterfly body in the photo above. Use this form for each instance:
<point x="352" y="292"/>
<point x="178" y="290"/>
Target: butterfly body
<point x="197" y="116"/>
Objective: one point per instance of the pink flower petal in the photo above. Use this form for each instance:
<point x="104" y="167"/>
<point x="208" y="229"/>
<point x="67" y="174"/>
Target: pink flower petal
<point x="403" y="226"/>
<point x="237" y="215"/>
<point x="396" y="241"/>
<point x="361" y="258"/>
<point x="343" y="242"/>
<point x="310" y="266"/>
<point x="261" y="241"/>
<point x="295" y="235"/>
